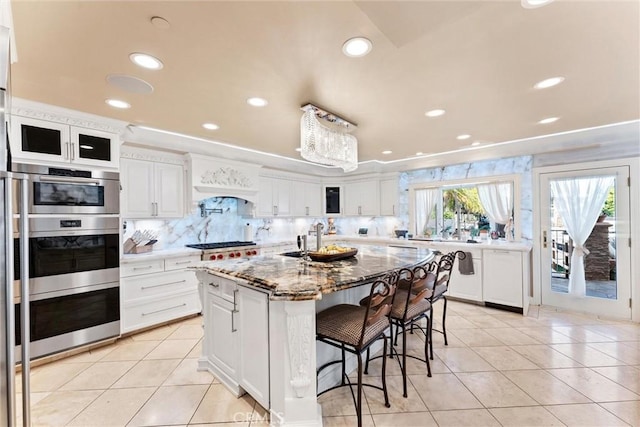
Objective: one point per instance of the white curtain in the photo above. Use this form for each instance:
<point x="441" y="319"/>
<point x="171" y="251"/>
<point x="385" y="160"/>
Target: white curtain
<point x="579" y="202"/>
<point x="425" y="202"/>
<point x="497" y="201"/>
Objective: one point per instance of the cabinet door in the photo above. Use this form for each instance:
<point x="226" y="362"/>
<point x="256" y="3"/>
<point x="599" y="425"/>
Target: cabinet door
<point x="352" y="199"/>
<point x="361" y="198"/>
<point x="333" y="200"/>
<point x="169" y="190"/>
<point x="312" y="199"/>
<point x="137" y="196"/>
<point x="502" y="277"/>
<point x="265" y="206"/>
<point x="35" y="139"/>
<point x="388" y="196"/>
<point x="282" y="197"/>
<point x="93" y="147"/>
<point x="222" y="335"/>
<point x="253" y="313"/>
<point x="464" y="286"/>
<point x="299" y="205"/>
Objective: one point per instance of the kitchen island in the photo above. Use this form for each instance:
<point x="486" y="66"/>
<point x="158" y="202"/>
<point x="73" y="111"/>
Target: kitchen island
<point x="259" y="319"/>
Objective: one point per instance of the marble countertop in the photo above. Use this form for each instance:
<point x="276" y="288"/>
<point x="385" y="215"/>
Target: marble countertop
<point x="294" y="279"/>
<point x="165" y="253"/>
<point x="523" y="246"/>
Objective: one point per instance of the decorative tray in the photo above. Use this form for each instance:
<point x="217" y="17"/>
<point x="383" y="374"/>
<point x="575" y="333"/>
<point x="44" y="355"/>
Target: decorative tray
<point x="316" y="256"/>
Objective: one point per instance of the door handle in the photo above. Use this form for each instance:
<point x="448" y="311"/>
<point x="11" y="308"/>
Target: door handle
<point x="544" y="239"/>
<point x="72" y="153"/>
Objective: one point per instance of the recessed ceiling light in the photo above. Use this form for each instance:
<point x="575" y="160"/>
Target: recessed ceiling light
<point x="356" y="47"/>
<point x="146" y="61"/>
<point x="475" y="143"/>
<point x="463" y="136"/>
<point x="550" y="82"/>
<point x="532" y="4"/>
<point x="419" y="153"/>
<point x="548" y="120"/>
<point x="257" y="102"/>
<point x="387" y="152"/>
<point x="434" y="113"/>
<point x="211" y="126"/>
<point x="116" y="103"/>
<point x="298" y="149"/>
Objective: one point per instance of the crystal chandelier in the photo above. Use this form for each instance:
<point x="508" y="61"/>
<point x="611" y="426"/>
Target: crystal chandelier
<point x="325" y="139"/>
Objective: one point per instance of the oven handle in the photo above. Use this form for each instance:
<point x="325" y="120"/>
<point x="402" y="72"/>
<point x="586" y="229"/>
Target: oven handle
<point x="65" y="180"/>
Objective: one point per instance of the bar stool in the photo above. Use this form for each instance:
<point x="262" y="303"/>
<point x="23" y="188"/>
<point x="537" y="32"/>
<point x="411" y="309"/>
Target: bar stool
<point x="410" y="305"/>
<point x="439" y="282"/>
<point x="354" y="328"/>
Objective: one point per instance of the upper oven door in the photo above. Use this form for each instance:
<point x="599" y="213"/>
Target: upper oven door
<point x="70" y="252"/>
<point x="63" y="191"/>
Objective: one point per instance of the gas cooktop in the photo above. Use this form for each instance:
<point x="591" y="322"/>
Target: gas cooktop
<point x="220" y="245"/>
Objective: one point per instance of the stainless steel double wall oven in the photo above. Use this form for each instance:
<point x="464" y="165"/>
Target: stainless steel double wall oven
<point x="73" y="259"/>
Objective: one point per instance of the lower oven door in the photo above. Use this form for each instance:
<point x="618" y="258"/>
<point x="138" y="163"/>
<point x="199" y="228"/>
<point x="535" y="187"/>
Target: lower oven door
<point x="70" y="318"/>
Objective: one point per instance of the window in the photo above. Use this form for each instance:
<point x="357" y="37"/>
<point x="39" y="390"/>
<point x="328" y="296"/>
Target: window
<point x="466" y="209"/>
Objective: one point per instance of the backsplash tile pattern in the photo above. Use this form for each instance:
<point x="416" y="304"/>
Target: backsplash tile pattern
<point x="224" y="224"/>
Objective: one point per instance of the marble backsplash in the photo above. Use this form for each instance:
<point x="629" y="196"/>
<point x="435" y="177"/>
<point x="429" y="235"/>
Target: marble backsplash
<point x="222" y="222"/>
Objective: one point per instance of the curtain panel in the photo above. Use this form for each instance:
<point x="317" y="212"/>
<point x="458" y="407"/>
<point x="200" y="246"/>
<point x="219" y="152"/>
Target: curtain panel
<point x="579" y="202"/>
<point x="426" y="200"/>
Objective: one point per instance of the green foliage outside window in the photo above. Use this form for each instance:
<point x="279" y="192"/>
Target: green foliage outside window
<point x="609" y="208"/>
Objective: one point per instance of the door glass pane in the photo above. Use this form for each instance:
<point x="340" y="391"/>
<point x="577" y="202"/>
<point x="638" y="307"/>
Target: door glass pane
<point x="599" y="263"/>
<point x="58" y="194"/>
<point x="41" y="140"/>
<point x="94" y="147"/>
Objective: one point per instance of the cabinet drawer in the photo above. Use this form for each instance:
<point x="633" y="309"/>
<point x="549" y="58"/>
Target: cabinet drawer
<point x="137" y="268"/>
<point x="224" y="288"/>
<point x="180" y="262"/>
<point x="142" y="315"/>
<point x="157" y="284"/>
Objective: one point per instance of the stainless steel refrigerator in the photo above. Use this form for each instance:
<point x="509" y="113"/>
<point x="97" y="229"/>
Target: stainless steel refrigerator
<point x="7" y="311"/>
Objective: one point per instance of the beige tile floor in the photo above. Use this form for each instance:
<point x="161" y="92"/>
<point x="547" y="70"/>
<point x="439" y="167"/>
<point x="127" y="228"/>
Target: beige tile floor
<point x="548" y="369"/>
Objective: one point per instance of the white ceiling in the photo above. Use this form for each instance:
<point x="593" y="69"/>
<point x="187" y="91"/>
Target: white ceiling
<point x="478" y="60"/>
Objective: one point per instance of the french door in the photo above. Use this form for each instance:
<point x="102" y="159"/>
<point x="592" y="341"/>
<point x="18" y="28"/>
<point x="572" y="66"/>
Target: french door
<point x="607" y="258"/>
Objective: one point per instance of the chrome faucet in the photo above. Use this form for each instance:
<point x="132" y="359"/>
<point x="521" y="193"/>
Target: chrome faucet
<point x="319" y="227"/>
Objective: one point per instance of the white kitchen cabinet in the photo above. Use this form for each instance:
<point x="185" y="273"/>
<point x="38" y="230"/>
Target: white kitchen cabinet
<point x="151" y="189"/>
<point x="41" y="141"/>
<point x="502" y="277"/>
<point x="155" y="291"/>
<point x="389" y="196"/>
<point x="274" y="197"/>
<point x="222" y="345"/>
<point x="306" y="199"/>
<point x="361" y="198"/>
<point x="236" y="336"/>
<point x="253" y="313"/>
<point x="467" y="286"/>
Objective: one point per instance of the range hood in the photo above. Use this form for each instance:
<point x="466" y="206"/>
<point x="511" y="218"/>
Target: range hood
<point x="211" y="177"/>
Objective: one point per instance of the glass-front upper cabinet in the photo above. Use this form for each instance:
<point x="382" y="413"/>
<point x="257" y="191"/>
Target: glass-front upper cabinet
<point x="34" y="139"/>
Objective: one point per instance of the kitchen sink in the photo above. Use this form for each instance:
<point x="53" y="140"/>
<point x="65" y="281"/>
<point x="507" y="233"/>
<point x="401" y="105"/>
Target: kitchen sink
<point x="296" y="254"/>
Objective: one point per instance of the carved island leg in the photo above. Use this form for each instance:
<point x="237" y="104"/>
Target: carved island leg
<point x="292" y="336"/>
